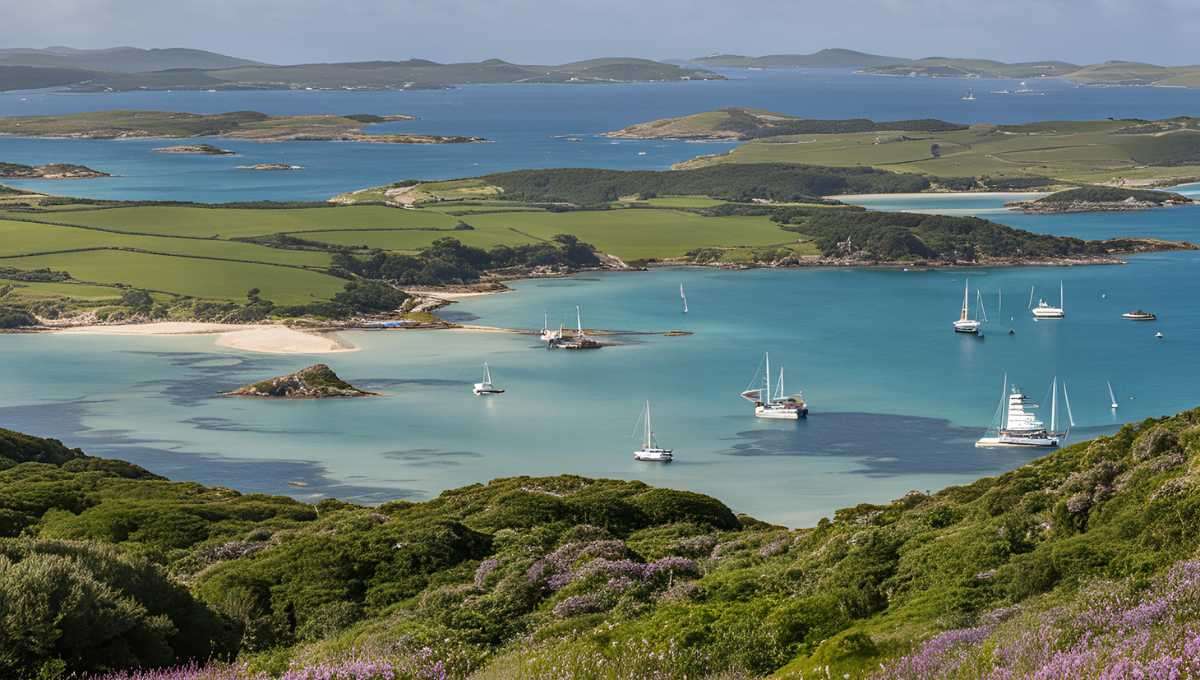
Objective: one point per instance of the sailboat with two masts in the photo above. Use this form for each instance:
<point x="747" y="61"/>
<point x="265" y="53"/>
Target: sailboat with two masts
<point x="579" y="340"/>
<point x="1017" y="426"/>
<point x="1045" y="310"/>
<point x="651" y="452"/>
<point x="777" y="405"/>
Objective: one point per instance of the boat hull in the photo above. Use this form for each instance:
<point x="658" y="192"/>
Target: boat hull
<point x="654" y="455"/>
<point x="780" y="413"/>
<point x="967" y="327"/>
<point x="484" y="390"/>
<point x="1017" y="443"/>
<point x="1049" y="314"/>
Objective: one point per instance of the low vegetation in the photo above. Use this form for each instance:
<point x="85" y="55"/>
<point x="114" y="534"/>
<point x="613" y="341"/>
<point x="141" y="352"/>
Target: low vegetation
<point x="1081" y="556"/>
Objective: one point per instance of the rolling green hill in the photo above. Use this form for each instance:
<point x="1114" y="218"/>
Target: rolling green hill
<point x="827" y="58"/>
<point x="120" y="59"/>
<point x="1133" y="152"/>
<point x="107" y="566"/>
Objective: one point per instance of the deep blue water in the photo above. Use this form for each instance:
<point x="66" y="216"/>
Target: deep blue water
<point x="527" y="125"/>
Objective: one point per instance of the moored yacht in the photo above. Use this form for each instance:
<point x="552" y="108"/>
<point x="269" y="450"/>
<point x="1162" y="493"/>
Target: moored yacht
<point x="1018" y="426"/>
<point x="965" y="323"/>
<point x="579" y="340"/>
<point x="486" y="387"/>
<point x="1139" y="315"/>
<point x="1045" y="310"/>
<point x="651" y="451"/>
<point x="778" y="405"/>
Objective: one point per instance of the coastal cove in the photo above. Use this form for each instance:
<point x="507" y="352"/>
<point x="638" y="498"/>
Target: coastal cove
<point x="871" y="349"/>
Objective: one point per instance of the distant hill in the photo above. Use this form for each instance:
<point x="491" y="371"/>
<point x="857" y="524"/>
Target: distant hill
<point x="946" y="67"/>
<point x="120" y="59"/>
<point x="195" y="70"/>
<point x="745" y="124"/>
<point x="827" y="58"/>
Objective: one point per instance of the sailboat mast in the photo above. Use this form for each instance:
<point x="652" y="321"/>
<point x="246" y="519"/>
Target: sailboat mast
<point x="1031" y="290"/>
<point x="1054" y="405"/>
<point x="780" y="388"/>
<point x="1004" y="404"/>
<point x="579" y="320"/>
<point x="1060" y="296"/>
<point x="649" y="429"/>
<point x="767" y="396"/>
<point x="487" y="374"/>
<point x="964" y="315"/>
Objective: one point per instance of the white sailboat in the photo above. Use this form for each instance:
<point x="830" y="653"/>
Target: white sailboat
<point x="965" y="323"/>
<point x="1112" y="398"/>
<point x="969" y="96"/>
<point x="1016" y="424"/>
<point x="1045" y="310"/>
<point x="651" y="451"/>
<point x="548" y="336"/>
<point x="486" y="387"/>
<point x="684" y="296"/>
<point x="776" y="405"/>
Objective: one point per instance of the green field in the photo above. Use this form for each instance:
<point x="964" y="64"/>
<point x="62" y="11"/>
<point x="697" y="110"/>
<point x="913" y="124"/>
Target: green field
<point x="186" y="251"/>
<point x="1069" y="152"/>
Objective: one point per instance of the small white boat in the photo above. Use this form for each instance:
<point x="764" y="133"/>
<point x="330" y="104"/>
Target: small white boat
<point x="1045" y="310"/>
<point x="486" y="387"/>
<point x="549" y="336"/>
<point x="1017" y="426"/>
<point x="684" y="296"/>
<point x="1159" y="335"/>
<point x="651" y="452"/>
<point x="1112" y="398"/>
<point x="778" y="405"/>
<point x="1139" y="315"/>
<point x="965" y="323"/>
<point x="969" y="96"/>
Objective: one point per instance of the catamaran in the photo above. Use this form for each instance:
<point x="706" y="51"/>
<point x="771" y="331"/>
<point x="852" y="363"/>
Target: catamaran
<point x="777" y="405"/>
<point x="965" y="323"/>
<point x="651" y="451"/>
<point x="486" y="387"/>
<point x="1017" y="426"/>
<point x="684" y="296"/>
<point x="579" y="340"/>
<point x="1112" y="398"/>
<point x="1045" y="311"/>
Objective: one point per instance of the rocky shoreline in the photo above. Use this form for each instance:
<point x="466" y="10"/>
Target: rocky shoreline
<point x="1038" y="208"/>
<point x="315" y="382"/>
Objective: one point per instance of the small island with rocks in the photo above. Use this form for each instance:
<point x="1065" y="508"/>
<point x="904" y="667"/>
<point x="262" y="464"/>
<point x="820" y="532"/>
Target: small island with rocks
<point x="1100" y="199"/>
<point x="196" y="149"/>
<point x="48" y="171"/>
<point x="315" y="382"/>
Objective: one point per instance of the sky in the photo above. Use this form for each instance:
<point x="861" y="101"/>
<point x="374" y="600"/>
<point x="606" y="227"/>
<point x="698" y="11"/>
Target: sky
<point x="556" y="31"/>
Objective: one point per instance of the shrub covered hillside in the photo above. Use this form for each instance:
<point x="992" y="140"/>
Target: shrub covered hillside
<point x="1065" y="566"/>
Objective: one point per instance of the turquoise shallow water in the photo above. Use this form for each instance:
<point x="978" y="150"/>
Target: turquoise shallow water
<point x="897" y="398"/>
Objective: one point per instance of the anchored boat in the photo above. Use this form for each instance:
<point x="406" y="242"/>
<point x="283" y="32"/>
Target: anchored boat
<point x="1045" y="310"/>
<point x="777" y="405"/>
<point x="1139" y="315"/>
<point x="1017" y="425"/>
<point x="579" y="340"/>
<point x="486" y="387"/>
<point x="965" y="323"/>
<point x="651" y="452"/>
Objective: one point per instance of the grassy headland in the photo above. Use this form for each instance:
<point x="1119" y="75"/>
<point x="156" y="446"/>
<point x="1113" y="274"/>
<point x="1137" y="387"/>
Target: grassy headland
<point x="251" y="125"/>
<point x="584" y="578"/>
<point x="78" y="261"/>
<point x="1102" y="199"/>
<point x="984" y="156"/>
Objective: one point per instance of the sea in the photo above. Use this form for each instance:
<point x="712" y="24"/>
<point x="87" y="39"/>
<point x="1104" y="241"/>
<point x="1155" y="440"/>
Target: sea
<point x="897" y="399"/>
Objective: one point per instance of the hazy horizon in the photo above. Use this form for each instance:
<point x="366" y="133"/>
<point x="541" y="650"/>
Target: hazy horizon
<point x="525" y="31"/>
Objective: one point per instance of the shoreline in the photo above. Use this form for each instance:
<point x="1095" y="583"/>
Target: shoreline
<point x="261" y="338"/>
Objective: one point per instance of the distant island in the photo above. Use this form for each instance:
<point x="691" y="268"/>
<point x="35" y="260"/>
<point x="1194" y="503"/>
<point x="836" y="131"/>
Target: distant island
<point x="1101" y="199"/>
<point x="315" y="382"/>
<point x="48" y="171"/>
<point x="126" y="69"/>
<point x="1045" y="155"/>
<point x="270" y="167"/>
<point x="196" y="149"/>
<point x="248" y="125"/>
<point x="1116" y="72"/>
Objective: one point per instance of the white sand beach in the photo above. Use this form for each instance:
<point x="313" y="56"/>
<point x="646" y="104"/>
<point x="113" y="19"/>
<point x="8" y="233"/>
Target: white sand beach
<point x="259" y="338"/>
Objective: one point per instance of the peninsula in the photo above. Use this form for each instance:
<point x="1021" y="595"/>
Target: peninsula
<point x="1101" y="199"/>
<point x="247" y="125"/>
<point x="980" y="157"/>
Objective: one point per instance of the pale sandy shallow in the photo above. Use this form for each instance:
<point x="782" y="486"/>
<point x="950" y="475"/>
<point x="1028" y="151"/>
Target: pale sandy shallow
<point x="266" y="339"/>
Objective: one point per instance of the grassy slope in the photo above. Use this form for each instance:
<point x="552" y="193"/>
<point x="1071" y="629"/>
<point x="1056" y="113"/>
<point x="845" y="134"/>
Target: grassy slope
<point x="466" y="574"/>
<point x="1069" y="151"/>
